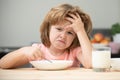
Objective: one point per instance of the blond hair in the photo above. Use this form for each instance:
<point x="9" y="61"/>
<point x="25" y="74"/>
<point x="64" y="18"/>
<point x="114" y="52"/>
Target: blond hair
<point x="58" y="14"/>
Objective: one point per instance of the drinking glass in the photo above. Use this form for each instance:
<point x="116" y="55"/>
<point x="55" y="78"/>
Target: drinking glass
<point x="101" y="59"/>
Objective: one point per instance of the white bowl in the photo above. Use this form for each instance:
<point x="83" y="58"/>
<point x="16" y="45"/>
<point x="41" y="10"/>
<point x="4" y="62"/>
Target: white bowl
<point x="115" y="63"/>
<point x="54" y="65"/>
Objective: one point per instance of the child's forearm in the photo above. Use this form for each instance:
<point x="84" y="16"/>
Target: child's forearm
<point x="86" y="47"/>
<point x="13" y="59"/>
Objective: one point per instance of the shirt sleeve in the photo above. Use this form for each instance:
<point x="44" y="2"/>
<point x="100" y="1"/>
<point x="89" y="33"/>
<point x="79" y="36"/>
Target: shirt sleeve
<point x="37" y="45"/>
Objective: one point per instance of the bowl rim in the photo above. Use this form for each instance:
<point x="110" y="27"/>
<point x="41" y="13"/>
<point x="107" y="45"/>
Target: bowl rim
<point x="67" y="63"/>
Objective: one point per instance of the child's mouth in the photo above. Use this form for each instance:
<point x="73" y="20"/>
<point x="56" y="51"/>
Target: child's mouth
<point x="61" y="41"/>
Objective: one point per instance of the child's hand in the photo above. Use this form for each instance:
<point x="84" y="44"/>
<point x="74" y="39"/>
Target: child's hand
<point x="76" y="21"/>
<point x="33" y="53"/>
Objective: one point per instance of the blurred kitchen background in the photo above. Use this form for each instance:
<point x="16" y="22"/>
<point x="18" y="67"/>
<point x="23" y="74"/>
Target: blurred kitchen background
<point x="20" y="20"/>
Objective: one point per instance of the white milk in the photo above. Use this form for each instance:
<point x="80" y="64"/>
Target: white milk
<point x="101" y="58"/>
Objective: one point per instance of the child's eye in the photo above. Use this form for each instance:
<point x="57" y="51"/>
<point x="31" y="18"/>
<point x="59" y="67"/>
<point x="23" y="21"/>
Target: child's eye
<point x="70" y="33"/>
<point x="59" y="29"/>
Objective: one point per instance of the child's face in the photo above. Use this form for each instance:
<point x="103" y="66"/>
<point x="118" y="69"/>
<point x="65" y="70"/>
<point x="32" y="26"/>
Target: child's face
<point x="62" y="35"/>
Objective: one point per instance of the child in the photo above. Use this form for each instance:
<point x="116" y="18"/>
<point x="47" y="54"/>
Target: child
<point x="64" y="35"/>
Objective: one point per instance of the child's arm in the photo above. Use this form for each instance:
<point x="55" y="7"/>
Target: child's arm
<point x="85" y="56"/>
<point x="20" y="57"/>
<point x="13" y="59"/>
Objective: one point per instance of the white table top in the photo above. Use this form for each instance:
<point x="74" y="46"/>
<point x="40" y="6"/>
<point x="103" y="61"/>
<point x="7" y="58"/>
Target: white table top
<point x="68" y="74"/>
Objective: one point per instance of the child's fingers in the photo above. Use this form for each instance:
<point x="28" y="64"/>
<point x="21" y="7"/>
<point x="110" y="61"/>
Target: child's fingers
<point x="73" y="16"/>
<point x="78" y="16"/>
<point x="69" y="19"/>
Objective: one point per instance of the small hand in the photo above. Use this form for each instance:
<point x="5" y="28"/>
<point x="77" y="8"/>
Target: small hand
<point x="76" y="21"/>
<point x="33" y="53"/>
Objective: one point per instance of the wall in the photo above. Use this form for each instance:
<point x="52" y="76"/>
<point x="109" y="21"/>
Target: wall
<point x="20" y="19"/>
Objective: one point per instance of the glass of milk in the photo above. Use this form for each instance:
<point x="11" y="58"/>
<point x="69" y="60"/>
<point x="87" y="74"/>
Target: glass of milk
<point x="101" y="59"/>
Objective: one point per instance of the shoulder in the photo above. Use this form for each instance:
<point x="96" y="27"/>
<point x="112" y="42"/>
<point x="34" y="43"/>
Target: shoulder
<point x="40" y="45"/>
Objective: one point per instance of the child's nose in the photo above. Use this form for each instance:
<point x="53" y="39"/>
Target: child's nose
<point x="63" y="35"/>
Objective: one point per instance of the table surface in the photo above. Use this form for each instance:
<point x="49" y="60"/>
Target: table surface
<point x="67" y="74"/>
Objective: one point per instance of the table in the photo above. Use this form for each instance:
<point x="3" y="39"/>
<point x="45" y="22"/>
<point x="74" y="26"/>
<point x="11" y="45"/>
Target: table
<point x="68" y="74"/>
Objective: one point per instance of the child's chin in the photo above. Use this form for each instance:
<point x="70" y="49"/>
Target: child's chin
<point x="61" y="47"/>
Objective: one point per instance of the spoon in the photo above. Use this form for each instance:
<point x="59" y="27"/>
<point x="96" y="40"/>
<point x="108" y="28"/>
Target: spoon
<point x="48" y="60"/>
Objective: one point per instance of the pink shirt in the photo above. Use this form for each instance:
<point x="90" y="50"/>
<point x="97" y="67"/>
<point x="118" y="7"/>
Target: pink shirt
<point x="71" y="55"/>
